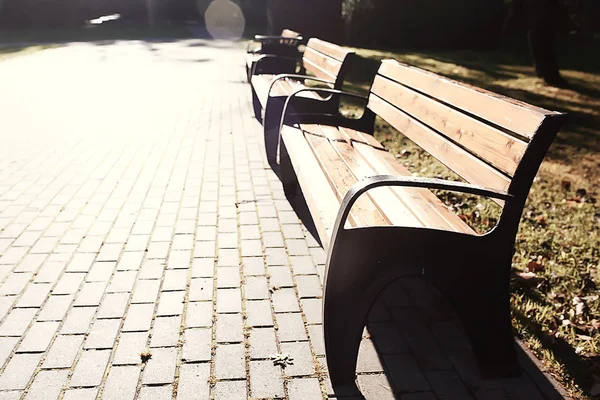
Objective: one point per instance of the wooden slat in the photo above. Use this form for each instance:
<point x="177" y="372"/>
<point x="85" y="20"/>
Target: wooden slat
<point x="498" y="148"/>
<point x="364" y="212"/>
<point x="513" y="115"/>
<point x="332" y="50"/>
<point x="424" y="205"/>
<point x="394" y="211"/>
<point x="321" y="65"/>
<point x="457" y="159"/>
<point x="318" y="193"/>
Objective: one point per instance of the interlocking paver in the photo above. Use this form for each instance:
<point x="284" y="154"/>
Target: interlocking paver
<point x="47" y="385"/>
<point x="229" y="362"/>
<point x="306" y="389"/>
<point x="63" y="352"/>
<point x="193" y="381"/>
<point x="161" y="367"/>
<point x="19" y="371"/>
<point x="290" y="327"/>
<point x="303" y="360"/>
<point x="78" y="320"/>
<point x="259" y="313"/>
<point x="165" y="332"/>
<point x="103" y="334"/>
<point x="17" y="321"/>
<point x="7" y="345"/>
<point x="114" y="305"/>
<point x="265" y="380"/>
<point x="121" y="383"/>
<point x="230" y="390"/>
<point x="81" y="394"/>
<point x="90" y="368"/>
<point x="38" y="337"/>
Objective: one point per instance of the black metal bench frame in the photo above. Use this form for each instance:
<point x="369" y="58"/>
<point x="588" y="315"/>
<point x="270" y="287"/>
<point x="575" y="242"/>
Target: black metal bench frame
<point x="471" y="271"/>
<point x="283" y="48"/>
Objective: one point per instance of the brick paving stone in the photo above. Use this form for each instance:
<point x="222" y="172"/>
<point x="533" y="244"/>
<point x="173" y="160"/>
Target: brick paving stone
<point x="121" y="383"/>
<point x="228" y="277"/>
<point x="139" y="318"/>
<point x="6" y="303"/>
<point x="253" y="266"/>
<point x="448" y="385"/>
<point x="285" y="300"/>
<point x="280" y="277"/>
<point x="175" y="279"/>
<point x="170" y="303"/>
<point x="17" y="322"/>
<point x="15" y="284"/>
<point x="19" y="371"/>
<point x="114" y="305"/>
<point x="290" y="327"/>
<point x="199" y="314"/>
<point x="303" y="265"/>
<point x="263" y="344"/>
<point x="131" y="345"/>
<point x="146" y="291"/>
<point x="11" y="395"/>
<point x="269" y="224"/>
<point x="227" y="240"/>
<point x="101" y="272"/>
<point x="229" y="362"/>
<point x="81" y="394"/>
<point x="38" y="337"/>
<point x="7" y="345"/>
<point x="387" y="338"/>
<point x="276" y="257"/>
<point x="229" y="328"/>
<point x="303" y="364"/>
<point x="130" y="261"/>
<point x="47" y="385"/>
<point x="55" y="308"/>
<point x="78" y="320"/>
<point x="375" y="387"/>
<point x="368" y="359"/>
<point x="156" y="393"/>
<point x="229" y="301"/>
<point x="69" y="283"/>
<point x="103" y="334"/>
<point x="193" y="382"/>
<point x="63" y="351"/>
<point x="256" y="288"/>
<point x="309" y="286"/>
<point x="297" y="247"/>
<point x="90" y="368"/>
<point x="201" y="289"/>
<point x="49" y="272"/>
<point x="203" y="267"/>
<point x="273" y="239"/>
<point x="313" y="310"/>
<point x="305" y="389"/>
<point x="425" y="347"/>
<point x="30" y="263"/>
<point x="292" y="231"/>
<point x="161" y="367"/>
<point x="265" y="380"/>
<point x="35" y="295"/>
<point x="230" y="390"/>
<point x="205" y="249"/>
<point x="152" y="269"/>
<point x="206" y="233"/>
<point x="165" y="332"/>
<point x="405" y="374"/>
<point x="158" y="250"/>
<point x="228" y="258"/>
<point x="197" y="345"/>
<point x="90" y="294"/>
<point x="248" y="232"/>
<point x="259" y="313"/>
<point x="122" y="282"/>
<point x="315" y="333"/>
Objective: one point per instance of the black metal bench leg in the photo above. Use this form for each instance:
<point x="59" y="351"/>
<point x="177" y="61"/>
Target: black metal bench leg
<point x="271" y="123"/>
<point x="484" y="311"/>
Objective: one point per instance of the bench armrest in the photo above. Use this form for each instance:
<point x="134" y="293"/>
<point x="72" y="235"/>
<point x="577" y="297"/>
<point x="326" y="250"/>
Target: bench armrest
<point x="409" y="181"/>
<point x="331" y="92"/>
<point x="270" y="56"/>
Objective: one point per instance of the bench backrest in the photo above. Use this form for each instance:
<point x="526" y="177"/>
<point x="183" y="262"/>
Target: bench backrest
<point x="289" y="33"/>
<point x="327" y="61"/>
<point x="487" y="139"/>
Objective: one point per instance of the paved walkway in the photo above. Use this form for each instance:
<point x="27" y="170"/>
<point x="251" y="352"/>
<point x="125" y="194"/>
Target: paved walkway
<point x="148" y="251"/>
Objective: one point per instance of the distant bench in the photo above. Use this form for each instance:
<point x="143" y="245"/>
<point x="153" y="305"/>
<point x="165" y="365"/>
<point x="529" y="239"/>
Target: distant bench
<point x="379" y="223"/>
<point x="283" y="47"/>
<point x="327" y="64"/>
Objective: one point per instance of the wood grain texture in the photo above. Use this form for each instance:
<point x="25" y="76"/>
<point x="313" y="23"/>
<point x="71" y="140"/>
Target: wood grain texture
<point x="498" y="148"/>
<point x="513" y="115"/>
<point x="332" y="50"/>
<point x="321" y="65"/>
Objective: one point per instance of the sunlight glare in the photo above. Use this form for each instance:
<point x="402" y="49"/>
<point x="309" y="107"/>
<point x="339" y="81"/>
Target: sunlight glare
<point x="225" y="20"/>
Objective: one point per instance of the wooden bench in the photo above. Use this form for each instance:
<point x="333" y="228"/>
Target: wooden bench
<point x="284" y="46"/>
<point x="379" y="223"/>
<point x="326" y="63"/>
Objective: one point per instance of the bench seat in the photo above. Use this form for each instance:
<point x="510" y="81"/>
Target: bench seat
<point x="329" y="160"/>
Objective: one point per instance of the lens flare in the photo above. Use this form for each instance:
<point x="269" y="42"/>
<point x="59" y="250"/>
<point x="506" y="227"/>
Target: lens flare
<point x="225" y="20"/>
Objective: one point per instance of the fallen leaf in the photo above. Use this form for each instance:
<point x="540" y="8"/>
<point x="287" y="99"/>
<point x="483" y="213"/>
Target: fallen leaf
<point x="282" y="359"/>
<point x="566" y="184"/>
<point x="535" y="266"/>
<point x="528" y="278"/>
<point x="595" y="323"/>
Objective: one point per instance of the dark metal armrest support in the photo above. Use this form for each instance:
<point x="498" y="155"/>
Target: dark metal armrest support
<point x="265" y="39"/>
<point x="267" y="57"/>
<point x="297" y="77"/>
<point x="331" y="92"/>
<point x="408" y="181"/>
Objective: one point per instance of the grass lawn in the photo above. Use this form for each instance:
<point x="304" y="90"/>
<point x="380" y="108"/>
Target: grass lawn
<point x="556" y="307"/>
<point x="14" y="51"/>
